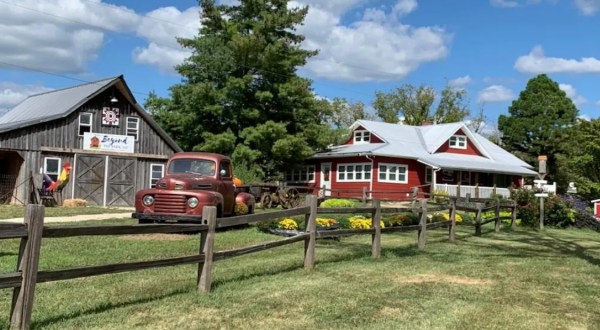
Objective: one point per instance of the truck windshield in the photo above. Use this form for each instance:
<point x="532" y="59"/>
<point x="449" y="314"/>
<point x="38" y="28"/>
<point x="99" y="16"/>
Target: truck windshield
<point x="195" y="166"/>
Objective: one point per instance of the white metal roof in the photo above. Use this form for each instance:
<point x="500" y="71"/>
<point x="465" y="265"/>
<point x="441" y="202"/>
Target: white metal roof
<point x="421" y="143"/>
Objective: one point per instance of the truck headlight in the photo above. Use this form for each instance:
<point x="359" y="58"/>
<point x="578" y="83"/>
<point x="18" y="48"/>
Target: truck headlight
<point x="192" y="202"/>
<point x="148" y="200"/>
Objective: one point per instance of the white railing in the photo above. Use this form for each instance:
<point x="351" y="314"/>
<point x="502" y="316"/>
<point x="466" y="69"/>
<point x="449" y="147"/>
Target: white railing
<point x="473" y="191"/>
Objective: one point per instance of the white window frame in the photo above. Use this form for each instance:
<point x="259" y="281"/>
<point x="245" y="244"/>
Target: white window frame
<point x="342" y="176"/>
<point x="362" y="136"/>
<point x="458" y="142"/>
<point x="90" y="125"/>
<point x="152" y="178"/>
<point x="305" y="173"/>
<point x="57" y="174"/>
<point x="135" y="132"/>
<point x="387" y="173"/>
<point x="428" y="174"/>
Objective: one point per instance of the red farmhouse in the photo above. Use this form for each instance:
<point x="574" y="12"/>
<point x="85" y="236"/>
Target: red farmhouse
<point x="383" y="158"/>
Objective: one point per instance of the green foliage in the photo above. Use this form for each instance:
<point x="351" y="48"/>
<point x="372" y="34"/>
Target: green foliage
<point x="527" y="206"/>
<point x="414" y="104"/>
<point x="581" y="164"/>
<point x="338" y="202"/>
<point x="240" y="94"/>
<point x="537" y="122"/>
<point x="558" y="213"/>
<point x="441" y="196"/>
<point x="400" y="219"/>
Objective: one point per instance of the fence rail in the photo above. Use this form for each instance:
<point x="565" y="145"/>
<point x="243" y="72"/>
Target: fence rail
<point x="26" y="277"/>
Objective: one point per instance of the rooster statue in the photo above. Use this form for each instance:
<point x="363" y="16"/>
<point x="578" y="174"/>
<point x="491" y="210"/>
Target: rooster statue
<point x="51" y="185"/>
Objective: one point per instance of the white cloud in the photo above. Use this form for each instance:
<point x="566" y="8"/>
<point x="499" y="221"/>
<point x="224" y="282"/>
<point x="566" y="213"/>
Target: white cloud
<point x="375" y="47"/>
<point x="536" y="62"/>
<point x="160" y="28"/>
<point x="58" y="36"/>
<point x="587" y="7"/>
<point x="495" y="93"/>
<point x="572" y="94"/>
<point x="11" y="94"/>
<point x="585" y="117"/>
<point x="460" y="81"/>
<point x="513" y="3"/>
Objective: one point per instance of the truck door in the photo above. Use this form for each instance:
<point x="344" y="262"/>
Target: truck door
<point x="227" y="188"/>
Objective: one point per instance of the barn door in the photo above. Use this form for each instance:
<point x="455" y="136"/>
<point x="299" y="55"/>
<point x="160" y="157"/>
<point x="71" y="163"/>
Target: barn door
<point x="89" y="179"/>
<point x="120" y="182"/>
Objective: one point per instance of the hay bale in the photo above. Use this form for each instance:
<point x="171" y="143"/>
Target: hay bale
<point x="75" y="202"/>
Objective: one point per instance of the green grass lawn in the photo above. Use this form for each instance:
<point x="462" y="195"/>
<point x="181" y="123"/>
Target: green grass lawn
<point x="520" y="279"/>
<point x="18" y="211"/>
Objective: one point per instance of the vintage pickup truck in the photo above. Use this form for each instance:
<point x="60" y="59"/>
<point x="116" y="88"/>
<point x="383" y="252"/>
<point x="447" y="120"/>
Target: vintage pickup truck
<point x="192" y="180"/>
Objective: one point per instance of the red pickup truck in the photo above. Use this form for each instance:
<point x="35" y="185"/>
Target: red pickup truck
<point x="192" y="180"/>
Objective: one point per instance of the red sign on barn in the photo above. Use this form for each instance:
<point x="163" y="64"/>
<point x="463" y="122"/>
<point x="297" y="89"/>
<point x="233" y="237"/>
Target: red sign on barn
<point x="110" y="116"/>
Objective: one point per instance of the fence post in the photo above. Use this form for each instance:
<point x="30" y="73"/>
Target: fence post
<point x="376" y="237"/>
<point x="423" y="230"/>
<point x="513" y="215"/>
<point x="452" y="229"/>
<point x="497" y="214"/>
<point x="415" y="195"/>
<point x="23" y="296"/>
<point x="478" y="219"/>
<point x="468" y="198"/>
<point x="458" y="190"/>
<point x="364" y="195"/>
<point x="311" y="228"/>
<point x="209" y="216"/>
<point x="477" y="190"/>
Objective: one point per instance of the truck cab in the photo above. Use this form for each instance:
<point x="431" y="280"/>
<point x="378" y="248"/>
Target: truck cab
<point x="192" y="180"/>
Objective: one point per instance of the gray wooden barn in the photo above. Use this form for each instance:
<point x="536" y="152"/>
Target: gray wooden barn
<point x="113" y="146"/>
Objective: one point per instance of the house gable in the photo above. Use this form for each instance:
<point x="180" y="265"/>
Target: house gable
<point x="459" y="143"/>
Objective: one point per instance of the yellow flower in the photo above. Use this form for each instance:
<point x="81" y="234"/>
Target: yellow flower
<point x="287" y="223"/>
<point x="326" y="222"/>
<point x="360" y="222"/>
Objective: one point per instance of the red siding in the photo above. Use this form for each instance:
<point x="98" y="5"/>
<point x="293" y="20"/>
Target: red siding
<point x="597" y="209"/>
<point x="470" y="150"/>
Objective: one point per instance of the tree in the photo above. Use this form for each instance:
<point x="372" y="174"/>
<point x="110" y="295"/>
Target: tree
<point x="342" y="114"/>
<point x="240" y="94"/>
<point x="537" y="121"/>
<point x="579" y="160"/>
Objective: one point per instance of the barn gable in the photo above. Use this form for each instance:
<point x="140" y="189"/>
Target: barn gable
<point x="114" y="146"/>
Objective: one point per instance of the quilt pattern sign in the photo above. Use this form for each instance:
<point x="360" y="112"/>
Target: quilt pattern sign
<point x="110" y="116"/>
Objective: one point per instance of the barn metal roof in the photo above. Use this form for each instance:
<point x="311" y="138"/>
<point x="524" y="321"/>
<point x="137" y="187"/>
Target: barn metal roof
<point x="56" y="104"/>
<point x="422" y="142"/>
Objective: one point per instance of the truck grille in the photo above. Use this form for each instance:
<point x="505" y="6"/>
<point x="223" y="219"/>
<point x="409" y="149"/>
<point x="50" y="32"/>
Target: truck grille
<point x="169" y="203"/>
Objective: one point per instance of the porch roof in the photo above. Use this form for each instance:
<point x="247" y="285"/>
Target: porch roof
<point x="475" y="163"/>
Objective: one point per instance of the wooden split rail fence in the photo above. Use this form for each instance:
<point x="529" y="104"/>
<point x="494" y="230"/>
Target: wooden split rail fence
<point x="24" y="279"/>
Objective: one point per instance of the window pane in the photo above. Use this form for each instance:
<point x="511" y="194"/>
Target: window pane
<point x="51" y="166"/>
<point x="349" y="168"/>
<point x="85" y="118"/>
<point x="367" y="136"/>
<point x="350" y="175"/>
<point x="342" y="168"/>
<point x="382" y="175"/>
<point x="367" y="175"/>
<point x="341" y="176"/>
<point x="358" y="175"/>
<point x="392" y="176"/>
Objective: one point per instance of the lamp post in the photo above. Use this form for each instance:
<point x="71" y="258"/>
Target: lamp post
<point x="541" y="193"/>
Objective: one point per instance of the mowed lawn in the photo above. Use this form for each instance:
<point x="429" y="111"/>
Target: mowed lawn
<point x="522" y="279"/>
<point x="18" y="211"/>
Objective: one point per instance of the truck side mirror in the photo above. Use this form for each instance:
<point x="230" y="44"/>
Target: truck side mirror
<point x="222" y="172"/>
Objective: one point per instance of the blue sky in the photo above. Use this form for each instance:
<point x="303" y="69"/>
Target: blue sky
<point x="488" y="47"/>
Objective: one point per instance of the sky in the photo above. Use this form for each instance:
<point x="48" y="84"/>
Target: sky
<point x="489" y="48"/>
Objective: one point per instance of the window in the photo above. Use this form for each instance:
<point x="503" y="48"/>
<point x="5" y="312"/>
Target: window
<point x="303" y="174"/>
<point x="360" y="172"/>
<point x="52" y="167"/>
<point x="362" y="136"/>
<point x="85" y="123"/>
<point x="157" y="171"/>
<point x="225" y="166"/>
<point x="133" y="127"/>
<point x="458" y="141"/>
<point x="393" y="173"/>
<point x="428" y="174"/>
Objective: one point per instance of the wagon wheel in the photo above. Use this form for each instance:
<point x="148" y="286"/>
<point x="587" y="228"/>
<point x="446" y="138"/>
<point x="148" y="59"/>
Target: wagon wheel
<point x="292" y="198"/>
<point x="266" y="201"/>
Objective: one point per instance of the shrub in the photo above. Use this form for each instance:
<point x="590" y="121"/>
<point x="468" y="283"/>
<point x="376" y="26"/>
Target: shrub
<point x="441" y="196"/>
<point x="287" y="223"/>
<point x="326" y="222"/>
<point x="241" y="208"/>
<point x="401" y="219"/>
<point x="338" y="202"/>
<point x="360" y="222"/>
<point x="558" y="212"/>
<point x="445" y="216"/>
<point x="527" y="206"/>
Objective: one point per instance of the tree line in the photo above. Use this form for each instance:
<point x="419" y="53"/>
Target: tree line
<point x="241" y="95"/>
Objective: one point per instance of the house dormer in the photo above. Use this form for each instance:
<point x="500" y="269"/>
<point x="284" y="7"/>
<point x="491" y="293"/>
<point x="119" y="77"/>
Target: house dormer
<point x="460" y="143"/>
<point x="361" y="135"/>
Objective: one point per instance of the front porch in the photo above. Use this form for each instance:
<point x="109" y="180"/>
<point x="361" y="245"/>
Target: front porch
<point x="457" y="190"/>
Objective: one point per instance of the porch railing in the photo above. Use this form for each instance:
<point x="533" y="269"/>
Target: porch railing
<point x="474" y="191"/>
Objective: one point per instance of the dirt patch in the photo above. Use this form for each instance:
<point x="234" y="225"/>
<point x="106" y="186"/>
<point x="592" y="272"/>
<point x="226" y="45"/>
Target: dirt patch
<point x="156" y="237"/>
<point x="389" y="311"/>
<point x="443" y="279"/>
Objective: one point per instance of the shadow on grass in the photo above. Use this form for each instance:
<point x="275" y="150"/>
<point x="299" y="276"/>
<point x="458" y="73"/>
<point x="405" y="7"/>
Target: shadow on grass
<point x="541" y="244"/>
